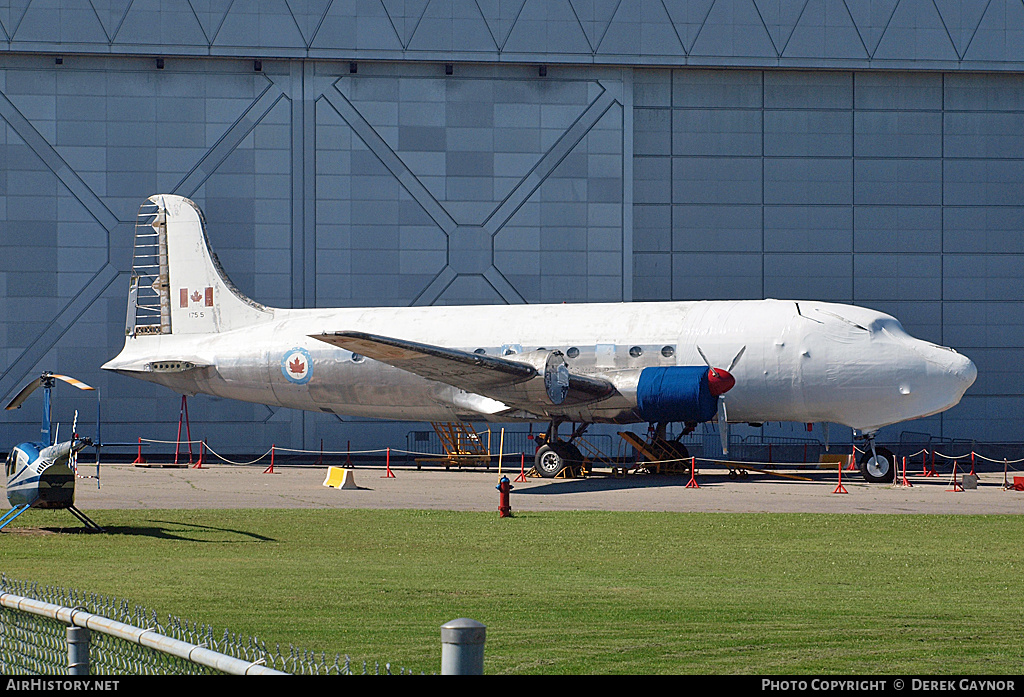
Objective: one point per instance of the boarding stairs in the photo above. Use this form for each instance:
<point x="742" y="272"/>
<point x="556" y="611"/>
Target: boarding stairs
<point x="463" y="446"/>
<point x="660" y="456"/>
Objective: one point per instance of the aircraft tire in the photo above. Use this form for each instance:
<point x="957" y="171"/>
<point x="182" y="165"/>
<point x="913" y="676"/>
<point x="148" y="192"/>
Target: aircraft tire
<point x="881" y="472"/>
<point x="548" y="462"/>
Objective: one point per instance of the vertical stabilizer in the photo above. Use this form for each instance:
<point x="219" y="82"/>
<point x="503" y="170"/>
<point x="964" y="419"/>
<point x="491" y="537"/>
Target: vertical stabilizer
<point x="177" y="283"/>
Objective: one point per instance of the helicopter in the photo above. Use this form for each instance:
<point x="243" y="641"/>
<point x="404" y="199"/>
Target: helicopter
<point x="42" y="474"/>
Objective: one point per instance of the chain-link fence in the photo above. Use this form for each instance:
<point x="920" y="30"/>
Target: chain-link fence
<point x="127" y="639"/>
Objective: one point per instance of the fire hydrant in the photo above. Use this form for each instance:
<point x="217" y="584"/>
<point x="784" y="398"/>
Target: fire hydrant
<point x="504" y="488"/>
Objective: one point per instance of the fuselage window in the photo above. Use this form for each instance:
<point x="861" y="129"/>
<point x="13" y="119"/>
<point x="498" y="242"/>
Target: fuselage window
<point x="573" y="352"/>
<point x="636" y="352"/>
<point x="668" y="351"/>
<point x="357" y="358"/>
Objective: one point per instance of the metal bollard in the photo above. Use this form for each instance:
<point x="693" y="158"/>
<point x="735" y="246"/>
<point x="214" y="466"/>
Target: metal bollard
<point x="462" y="647"/>
<point x="78" y="651"/>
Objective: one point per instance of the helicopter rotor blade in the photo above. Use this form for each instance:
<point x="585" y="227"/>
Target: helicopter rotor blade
<point x="74" y="382"/>
<point x="23" y="395"/>
<point x="31" y="387"/>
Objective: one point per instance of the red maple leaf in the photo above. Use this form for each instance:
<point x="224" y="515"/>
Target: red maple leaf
<point x="196" y="297"/>
<point x="296" y="366"/>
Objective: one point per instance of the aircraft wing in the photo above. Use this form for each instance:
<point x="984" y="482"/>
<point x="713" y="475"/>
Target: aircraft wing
<point x="473" y="372"/>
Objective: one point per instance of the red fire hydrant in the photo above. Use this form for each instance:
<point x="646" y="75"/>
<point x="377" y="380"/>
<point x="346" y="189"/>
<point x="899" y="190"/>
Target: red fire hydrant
<point x="504" y="488"/>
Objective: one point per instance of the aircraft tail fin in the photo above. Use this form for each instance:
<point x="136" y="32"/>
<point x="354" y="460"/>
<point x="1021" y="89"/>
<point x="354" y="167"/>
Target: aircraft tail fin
<point x="178" y="285"/>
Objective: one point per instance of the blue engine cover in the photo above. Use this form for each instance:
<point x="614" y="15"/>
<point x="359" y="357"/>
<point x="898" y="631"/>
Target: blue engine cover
<point x="675" y="393"/>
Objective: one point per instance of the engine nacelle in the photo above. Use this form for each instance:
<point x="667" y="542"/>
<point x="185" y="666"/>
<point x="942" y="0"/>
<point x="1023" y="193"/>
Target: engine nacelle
<point x="554" y="383"/>
<point x="552" y="375"/>
<point x="675" y="393"/>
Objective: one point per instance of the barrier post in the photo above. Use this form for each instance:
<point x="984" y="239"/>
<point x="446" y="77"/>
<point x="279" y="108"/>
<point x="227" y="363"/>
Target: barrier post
<point x="270" y="470"/>
<point x="199" y="465"/>
<point x="522" y="468"/>
<point x="692" y="484"/>
<point x="388" y="474"/>
<point x="972" y="464"/>
<point x="840" y="489"/>
<point x="348" y="455"/>
<point x="140" y="460"/>
<point x="955" y="484"/>
<point x="905" y="482"/>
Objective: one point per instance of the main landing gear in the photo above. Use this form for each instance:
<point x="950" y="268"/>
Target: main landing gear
<point x="877" y="465"/>
<point x="555" y="455"/>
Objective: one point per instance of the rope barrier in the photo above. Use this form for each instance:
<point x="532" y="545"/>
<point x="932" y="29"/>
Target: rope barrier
<point x="241" y="464"/>
<point x="952" y="457"/>
<point x="771" y="464"/>
<point x="988" y="459"/>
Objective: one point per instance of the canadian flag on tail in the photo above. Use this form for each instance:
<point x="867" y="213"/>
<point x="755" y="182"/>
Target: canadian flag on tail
<point x="193" y="296"/>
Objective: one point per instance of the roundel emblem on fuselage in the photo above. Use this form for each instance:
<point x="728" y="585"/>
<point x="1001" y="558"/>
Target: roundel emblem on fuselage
<point x="297" y="366"/>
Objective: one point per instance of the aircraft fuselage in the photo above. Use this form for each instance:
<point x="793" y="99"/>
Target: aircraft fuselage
<point x="801" y="361"/>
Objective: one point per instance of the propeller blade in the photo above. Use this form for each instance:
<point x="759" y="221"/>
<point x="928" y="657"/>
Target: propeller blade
<point x="707" y="362"/>
<point x="736" y="359"/>
<point x="23" y="395"/>
<point x="723" y="425"/>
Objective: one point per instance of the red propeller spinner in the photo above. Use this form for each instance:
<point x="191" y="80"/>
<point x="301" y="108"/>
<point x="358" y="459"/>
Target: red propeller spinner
<point x="719" y="381"/>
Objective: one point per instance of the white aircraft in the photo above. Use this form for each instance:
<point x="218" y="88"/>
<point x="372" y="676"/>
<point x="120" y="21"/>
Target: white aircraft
<point x="190" y="329"/>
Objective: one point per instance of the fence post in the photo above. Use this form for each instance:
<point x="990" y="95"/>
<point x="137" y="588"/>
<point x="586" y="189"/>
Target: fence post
<point x="78" y="650"/>
<point x="462" y="647"/>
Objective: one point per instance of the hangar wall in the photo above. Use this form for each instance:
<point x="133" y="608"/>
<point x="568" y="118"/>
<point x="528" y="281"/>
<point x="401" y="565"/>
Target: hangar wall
<point x="676" y="150"/>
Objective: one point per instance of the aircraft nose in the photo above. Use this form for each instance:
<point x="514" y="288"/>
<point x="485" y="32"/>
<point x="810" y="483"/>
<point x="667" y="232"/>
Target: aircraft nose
<point x="720" y="381"/>
<point x="966" y="371"/>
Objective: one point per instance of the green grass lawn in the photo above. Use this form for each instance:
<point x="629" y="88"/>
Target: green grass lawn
<point x="576" y="592"/>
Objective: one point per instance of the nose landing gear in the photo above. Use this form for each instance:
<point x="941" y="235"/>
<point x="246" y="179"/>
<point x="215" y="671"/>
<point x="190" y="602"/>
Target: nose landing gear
<point x="877" y="465"/>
